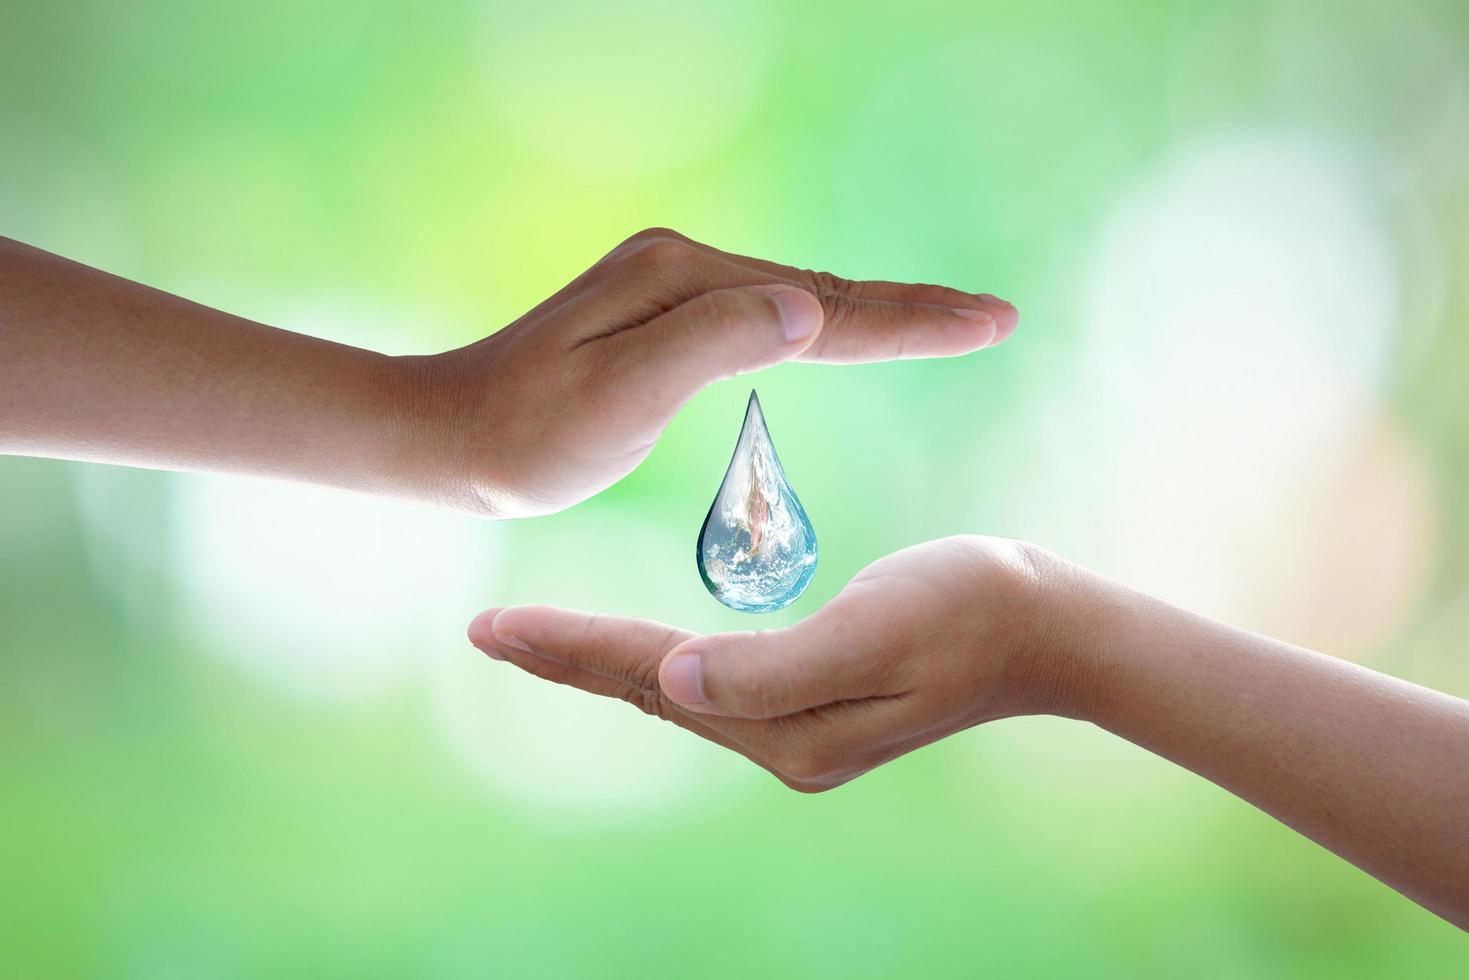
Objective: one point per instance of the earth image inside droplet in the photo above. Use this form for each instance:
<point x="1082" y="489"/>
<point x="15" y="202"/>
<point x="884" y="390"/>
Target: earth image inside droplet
<point x="757" y="548"/>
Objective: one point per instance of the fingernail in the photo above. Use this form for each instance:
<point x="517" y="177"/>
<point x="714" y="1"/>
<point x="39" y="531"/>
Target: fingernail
<point x="971" y="314"/>
<point x="799" y="316"/>
<point x="511" y="640"/>
<point x="683" y="678"/>
<point x="489" y="651"/>
<point x="1006" y="316"/>
<point x="482" y="631"/>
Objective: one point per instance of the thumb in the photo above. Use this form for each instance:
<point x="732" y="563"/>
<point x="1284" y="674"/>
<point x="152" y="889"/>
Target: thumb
<point x="777" y="672"/>
<point x="717" y="335"/>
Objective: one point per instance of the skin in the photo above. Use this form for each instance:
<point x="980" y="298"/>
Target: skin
<point x="963" y="631"/>
<point x="552" y="409"/>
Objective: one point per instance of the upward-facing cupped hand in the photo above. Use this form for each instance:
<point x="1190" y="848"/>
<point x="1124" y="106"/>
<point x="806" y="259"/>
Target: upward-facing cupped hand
<point x="921" y="644"/>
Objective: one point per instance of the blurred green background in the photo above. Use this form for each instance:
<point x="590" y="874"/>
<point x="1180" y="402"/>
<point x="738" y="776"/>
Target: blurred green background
<point x="241" y="734"/>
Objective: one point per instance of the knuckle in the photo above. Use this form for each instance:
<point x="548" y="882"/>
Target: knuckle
<point x="838" y="307"/>
<point x="632" y="243"/>
<point x="672" y="637"/>
<point x="648" y="702"/>
<point x="651" y="234"/>
<point x="826" y="282"/>
<point x="659" y="254"/>
<point x="644" y="676"/>
<point x="636" y="241"/>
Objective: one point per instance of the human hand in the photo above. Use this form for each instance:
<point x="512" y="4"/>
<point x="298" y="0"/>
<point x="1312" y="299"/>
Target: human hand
<point x="919" y="645"/>
<point x="571" y="397"/>
<point x="552" y="409"/>
<point x="954" y="633"/>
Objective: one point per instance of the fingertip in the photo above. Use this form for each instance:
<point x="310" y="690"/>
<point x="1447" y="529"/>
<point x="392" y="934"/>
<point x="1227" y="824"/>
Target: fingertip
<point x="983" y="331"/>
<point x="481" y="626"/>
<point x="481" y="633"/>
<point x="507" y="627"/>
<point x="1005" y="315"/>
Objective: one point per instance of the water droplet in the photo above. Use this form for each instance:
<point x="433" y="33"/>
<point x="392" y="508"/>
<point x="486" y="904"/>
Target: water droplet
<point x="757" y="548"/>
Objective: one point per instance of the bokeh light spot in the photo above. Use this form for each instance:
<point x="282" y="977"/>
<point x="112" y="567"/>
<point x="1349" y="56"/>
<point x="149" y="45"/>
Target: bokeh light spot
<point x="1241" y="311"/>
<point x="321" y="594"/>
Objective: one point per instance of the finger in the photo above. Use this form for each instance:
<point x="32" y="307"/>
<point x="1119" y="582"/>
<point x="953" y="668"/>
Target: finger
<point x="648" y="701"/>
<point x="614" y="657"/>
<point x="626" y="650"/>
<point x="1004" y="313"/>
<point x="713" y="336"/>
<point x="481" y="633"/>
<point x="611" y="656"/>
<point x="729" y="331"/>
<point x="653" y="703"/>
<point x="662" y="275"/>
<point x="862" y="331"/>
<point x="841" y="653"/>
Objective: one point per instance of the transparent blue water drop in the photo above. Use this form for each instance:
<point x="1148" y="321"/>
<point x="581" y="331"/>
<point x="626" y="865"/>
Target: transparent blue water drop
<point x="757" y="548"/>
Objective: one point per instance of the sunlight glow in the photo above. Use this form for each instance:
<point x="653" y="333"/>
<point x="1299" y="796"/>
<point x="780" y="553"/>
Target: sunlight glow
<point x="319" y="593"/>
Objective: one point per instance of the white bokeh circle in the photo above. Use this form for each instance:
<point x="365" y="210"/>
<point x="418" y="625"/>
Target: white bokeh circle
<point x="1239" y="318"/>
<point x="322" y="594"/>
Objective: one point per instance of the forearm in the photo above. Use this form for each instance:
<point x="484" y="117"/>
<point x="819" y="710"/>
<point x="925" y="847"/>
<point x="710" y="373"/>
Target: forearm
<point x="1374" y="768"/>
<point x="94" y="367"/>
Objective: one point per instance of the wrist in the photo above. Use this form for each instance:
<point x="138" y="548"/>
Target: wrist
<point x="429" y="452"/>
<point x="1071" y="642"/>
